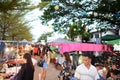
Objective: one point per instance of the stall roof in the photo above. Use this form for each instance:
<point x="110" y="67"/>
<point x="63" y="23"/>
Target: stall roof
<point x="68" y="47"/>
<point x="110" y="37"/>
<point x="117" y="41"/>
<point x="61" y="40"/>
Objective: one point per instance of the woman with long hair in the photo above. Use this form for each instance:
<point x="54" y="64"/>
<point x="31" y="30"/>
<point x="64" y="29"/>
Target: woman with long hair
<point x="66" y="72"/>
<point x="46" y="57"/>
<point x="27" y="69"/>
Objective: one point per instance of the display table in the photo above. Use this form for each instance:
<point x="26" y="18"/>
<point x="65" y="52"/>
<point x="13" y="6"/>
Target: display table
<point x="3" y="76"/>
<point x="9" y="72"/>
<point x="10" y="68"/>
<point x="15" y="61"/>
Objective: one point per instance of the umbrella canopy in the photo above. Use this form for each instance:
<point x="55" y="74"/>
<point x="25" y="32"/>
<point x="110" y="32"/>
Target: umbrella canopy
<point x="23" y="42"/>
<point x="68" y="47"/>
<point x="117" y="41"/>
<point x="61" y="40"/>
<point x="110" y="37"/>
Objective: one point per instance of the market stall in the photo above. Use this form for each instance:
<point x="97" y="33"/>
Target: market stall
<point x="115" y="43"/>
<point x="68" y="47"/>
<point x="10" y="68"/>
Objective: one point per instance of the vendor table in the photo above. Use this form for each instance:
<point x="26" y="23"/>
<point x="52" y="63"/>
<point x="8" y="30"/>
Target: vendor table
<point x="15" y="61"/>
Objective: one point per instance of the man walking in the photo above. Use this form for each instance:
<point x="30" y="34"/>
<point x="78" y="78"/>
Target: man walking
<point x="86" y="71"/>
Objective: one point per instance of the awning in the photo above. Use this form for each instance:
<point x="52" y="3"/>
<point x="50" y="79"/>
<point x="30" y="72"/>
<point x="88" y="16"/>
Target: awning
<point x="68" y="47"/>
<point x="61" y="40"/>
<point x="110" y="37"/>
<point x="117" y="41"/>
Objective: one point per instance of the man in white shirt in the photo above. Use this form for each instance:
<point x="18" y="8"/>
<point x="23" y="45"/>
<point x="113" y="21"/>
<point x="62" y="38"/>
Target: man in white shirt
<point x="86" y="71"/>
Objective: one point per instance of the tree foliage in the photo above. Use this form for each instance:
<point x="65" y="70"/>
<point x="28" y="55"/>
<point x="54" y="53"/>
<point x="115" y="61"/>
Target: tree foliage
<point x="109" y="12"/>
<point x="12" y="22"/>
<point x="64" y="13"/>
<point x="12" y="27"/>
<point x="14" y="5"/>
<point x="43" y="3"/>
<point x="44" y="36"/>
<point x="104" y="12"/>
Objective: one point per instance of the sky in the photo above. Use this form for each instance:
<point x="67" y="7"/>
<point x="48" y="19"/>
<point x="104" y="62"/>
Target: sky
<point x="35" y="23"/>
<point x="37" y="27"/>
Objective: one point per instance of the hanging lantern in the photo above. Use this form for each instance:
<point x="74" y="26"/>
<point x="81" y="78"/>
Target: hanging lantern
<point x="61" y="29"/>
<point x="106" y="15"/>
<point x="56" y="7"/>
<point x="74" y="29"/>
<point x="95" y="14"/>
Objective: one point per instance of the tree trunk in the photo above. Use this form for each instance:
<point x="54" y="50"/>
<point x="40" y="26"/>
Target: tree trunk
<point x="3" y="33"/>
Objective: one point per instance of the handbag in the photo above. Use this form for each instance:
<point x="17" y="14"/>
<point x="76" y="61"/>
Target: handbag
<point x="40" y="62"/>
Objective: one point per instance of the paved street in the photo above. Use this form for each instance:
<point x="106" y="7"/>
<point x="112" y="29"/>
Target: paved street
<point x="51" y="73"/>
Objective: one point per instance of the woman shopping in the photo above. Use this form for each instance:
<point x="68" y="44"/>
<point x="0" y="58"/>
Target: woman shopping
<point x="67" y="72"/>
<point x="27" y="69"/>
<point x="46" y="59"/>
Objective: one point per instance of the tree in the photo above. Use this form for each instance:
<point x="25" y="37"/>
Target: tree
<point x="11" y="13"/>
<point x="20" y="32"/>
<point x="63" y="12"/>
<point x="12" y="22"/>
<point x="11" y="26"/>
<point x="44" y="36"/>
<point x="109" y="11"/>
<point x="7" y="6"/>
<point x="43" y="3"/>
<point x="77" y="28"/>
<point x="20" y="5"/>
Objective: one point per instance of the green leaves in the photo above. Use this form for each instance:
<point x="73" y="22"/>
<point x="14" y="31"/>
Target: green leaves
<point x="12" y="24"/>
<point x="44" y="36"/>
<point x="105" y="12"/>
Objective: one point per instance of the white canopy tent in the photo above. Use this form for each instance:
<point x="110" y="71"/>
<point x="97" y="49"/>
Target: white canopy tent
<point x="61" y="40"/>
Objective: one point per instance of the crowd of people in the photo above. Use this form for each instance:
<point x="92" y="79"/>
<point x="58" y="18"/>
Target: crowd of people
<point x="28" y="60"/>
<point x="91" y="67"/>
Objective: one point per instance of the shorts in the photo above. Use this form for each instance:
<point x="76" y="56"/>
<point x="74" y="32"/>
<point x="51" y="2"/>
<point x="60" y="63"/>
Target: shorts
<point x="45" y="65"/>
